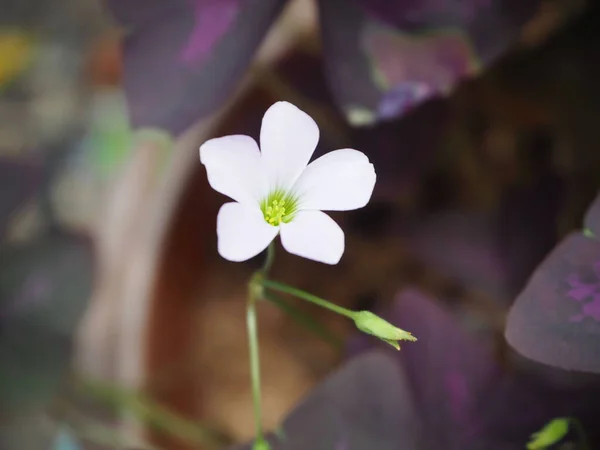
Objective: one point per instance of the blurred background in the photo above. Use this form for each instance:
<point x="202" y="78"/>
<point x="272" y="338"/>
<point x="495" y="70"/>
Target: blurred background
<point x="121" y="327"/>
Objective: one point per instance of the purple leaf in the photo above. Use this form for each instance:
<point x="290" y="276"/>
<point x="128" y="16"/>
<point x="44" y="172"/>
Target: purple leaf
<point x="347" y="66"/>
<point x="402" y="98"/>
<point x="44" y="289"/>
<point x="212" y="19"/>
<point x="182" y="58"/>
<point x="444" y="391"/>
<point x="556" y="319"/>
<point x="447" y="369"/>
<point x="421" y="66"/>
<point x="364" y="405"/>
<point x="491" y="25"/>
<point x="381" y="65"/>
<point x="466" y="399"/>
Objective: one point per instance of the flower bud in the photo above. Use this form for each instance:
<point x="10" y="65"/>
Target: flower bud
<point x="261" y="444"/>
<point x="369" y="323"/>
<point x="552" y="432"/>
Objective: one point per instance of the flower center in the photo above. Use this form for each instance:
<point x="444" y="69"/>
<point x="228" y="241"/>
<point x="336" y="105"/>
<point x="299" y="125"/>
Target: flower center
<point x="278" y="207"/>
<point x="275" y="212"/>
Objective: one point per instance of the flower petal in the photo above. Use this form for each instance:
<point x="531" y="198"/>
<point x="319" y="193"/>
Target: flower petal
<point x="338" y="181"/>
<point x="242" y="232"/>
<point x="288" y="138"/>
<point x="313" y="235"/>
<point x="234" y="168"/>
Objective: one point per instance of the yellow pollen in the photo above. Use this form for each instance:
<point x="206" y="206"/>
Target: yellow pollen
<point x="275" y="212"/>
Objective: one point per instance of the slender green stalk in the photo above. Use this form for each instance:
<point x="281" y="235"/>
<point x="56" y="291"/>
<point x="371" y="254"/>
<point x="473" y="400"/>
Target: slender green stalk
<point x="270" y="258"/>
<point x="281" y="287"/>
<point x="254" y="366"/>
<point x="254" y="294"/>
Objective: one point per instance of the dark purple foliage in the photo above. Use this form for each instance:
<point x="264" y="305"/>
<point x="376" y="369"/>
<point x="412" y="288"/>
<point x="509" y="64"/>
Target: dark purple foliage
<point x="556" y="319"/>
<point x="346" y="64"/>
<point x="183" y="58"/>
<point x="44" y="288"/>
<point x="488" y="26"/>
<point x="367" y="401"/>
<point x="405" y="52"/>
<point x="444" y="391"/>
<point x="469" y="399"/>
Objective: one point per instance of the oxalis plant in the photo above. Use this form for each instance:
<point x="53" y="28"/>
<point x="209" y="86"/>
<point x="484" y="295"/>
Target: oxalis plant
<point x="276" y="191"/>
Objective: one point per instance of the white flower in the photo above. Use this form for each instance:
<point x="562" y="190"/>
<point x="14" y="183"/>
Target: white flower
<point x="277" y="191"/>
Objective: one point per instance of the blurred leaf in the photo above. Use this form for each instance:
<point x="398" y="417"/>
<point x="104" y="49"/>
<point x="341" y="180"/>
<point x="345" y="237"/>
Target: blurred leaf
<point x="404" y="52"/>
<point x="27" y="432"/>
<point x="183" y="58"/>
<point x="413" y="68"/>
<point x="106" y="436"/>
<point x="364" y="405"/>
<point x="556" y="319"/>
<point x="346" y="63"/>
<point x="18" y="182"/>
<point x="466" y="399"/>
<point x="151" y="413"/>
<point x="489" y="25"/>
<point x="65" y="440"/>
<point x="44" y="289"/>
<point x="447" y="370"/>
<point x="445" y="391"/>
<point x="304" y="319"/>
<point x="16" y="48"/>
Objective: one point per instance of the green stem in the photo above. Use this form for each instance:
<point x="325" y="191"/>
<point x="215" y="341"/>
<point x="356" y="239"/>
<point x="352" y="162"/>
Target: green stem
<point x="254" y="366"/>
<point x="281" y="287"/>
<point x="269" y="260"/>
<point x="251" y="323"/>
